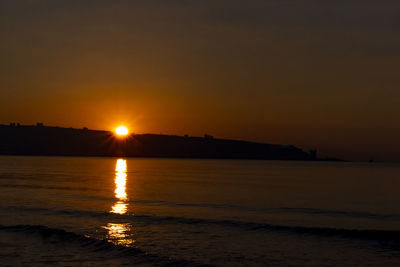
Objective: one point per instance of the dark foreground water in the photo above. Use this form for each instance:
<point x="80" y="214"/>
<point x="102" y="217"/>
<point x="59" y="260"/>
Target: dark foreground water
<point x="111" y="212"/>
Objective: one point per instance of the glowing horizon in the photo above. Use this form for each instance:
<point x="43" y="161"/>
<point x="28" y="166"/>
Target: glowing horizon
<point x="249" y="78"/>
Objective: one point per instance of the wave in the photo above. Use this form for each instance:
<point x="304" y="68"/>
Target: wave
<point x="136" y="256"/>
<point x="30" y="186"/>
<point x="338" y="213"/>
<point x="312" y="211"/>
<point x="295" y="210"/>
<point x="368" y="234"/>
<point x="279" y="210"/>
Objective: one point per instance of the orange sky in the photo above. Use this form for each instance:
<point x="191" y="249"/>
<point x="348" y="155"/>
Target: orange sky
<point x="316" y="74"/>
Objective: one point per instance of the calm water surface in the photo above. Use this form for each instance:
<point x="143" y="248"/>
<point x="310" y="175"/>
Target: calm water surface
<point x="94" y="211"/>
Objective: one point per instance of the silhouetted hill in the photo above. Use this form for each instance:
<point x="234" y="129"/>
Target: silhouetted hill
<point x="56" y="141"/>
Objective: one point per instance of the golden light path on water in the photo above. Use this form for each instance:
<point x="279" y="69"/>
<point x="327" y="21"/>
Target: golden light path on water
<point x="118" y="232"/>
<point x="120" y="180"/>
<point x="121" y="207"/>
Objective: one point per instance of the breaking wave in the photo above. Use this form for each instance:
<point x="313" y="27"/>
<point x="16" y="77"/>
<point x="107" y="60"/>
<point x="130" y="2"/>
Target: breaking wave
<point x="136" y="256"/>
<point x="369" y="234"/>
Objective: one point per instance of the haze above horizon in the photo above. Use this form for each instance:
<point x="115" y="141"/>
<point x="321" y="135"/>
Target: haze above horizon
<point x="315" y="74"/>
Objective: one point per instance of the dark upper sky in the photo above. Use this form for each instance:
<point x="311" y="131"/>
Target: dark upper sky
<point x="318" y="73"/>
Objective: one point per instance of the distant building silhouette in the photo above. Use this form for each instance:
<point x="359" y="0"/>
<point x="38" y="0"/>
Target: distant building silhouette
<point x="313" y="153"/>
<point x="207" y="136"/>
<point x="39" y="124"/>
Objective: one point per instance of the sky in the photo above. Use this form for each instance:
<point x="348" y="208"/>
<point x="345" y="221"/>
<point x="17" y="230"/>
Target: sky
<point x="318" y="74"/>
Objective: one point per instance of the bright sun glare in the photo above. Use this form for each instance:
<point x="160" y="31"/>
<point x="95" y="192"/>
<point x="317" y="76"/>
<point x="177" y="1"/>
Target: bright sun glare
<point x="121" y="131"/>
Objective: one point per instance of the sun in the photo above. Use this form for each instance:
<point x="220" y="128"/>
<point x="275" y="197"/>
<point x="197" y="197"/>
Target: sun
<point x="121" y="131"/>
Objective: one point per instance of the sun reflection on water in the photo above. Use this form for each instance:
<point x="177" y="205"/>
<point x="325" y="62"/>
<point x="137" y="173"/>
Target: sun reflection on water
<point x="120" y="180"/>
<point x="121" y="207"/>
<point x="119" y="233"/>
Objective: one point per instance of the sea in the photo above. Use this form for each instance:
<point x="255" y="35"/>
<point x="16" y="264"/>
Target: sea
<point x="77" y="211"/>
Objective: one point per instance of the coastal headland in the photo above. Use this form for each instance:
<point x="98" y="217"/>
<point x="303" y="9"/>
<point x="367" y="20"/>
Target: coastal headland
<point x="43" y="140"/>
